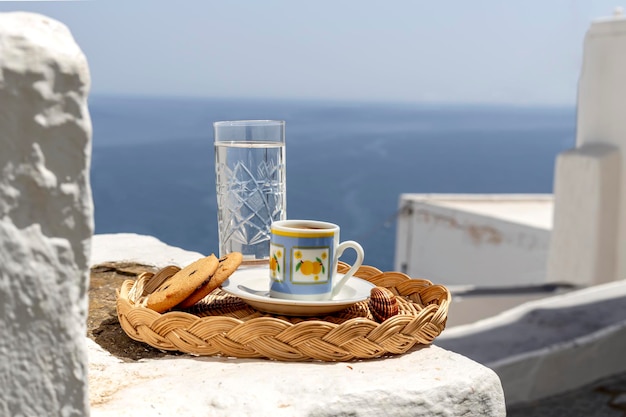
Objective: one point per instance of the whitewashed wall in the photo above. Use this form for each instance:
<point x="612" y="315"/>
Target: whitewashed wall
<point x="453" y="245"/>
<point x="589" y="237"/>
<point x="46" y="218"/>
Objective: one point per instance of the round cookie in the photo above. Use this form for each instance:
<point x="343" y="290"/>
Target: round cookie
<point x="227" y="265"/>
<point x="182" y="284"/>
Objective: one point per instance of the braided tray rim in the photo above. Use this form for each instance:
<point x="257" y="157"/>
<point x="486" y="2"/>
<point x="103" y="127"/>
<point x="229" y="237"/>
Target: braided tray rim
<point x="261" y="335"/>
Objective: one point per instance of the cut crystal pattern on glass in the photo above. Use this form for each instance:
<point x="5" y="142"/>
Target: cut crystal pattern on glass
<point x="249" y="204"/>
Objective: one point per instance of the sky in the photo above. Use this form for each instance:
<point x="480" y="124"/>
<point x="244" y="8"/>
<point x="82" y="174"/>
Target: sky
<point x="455" y="51"/>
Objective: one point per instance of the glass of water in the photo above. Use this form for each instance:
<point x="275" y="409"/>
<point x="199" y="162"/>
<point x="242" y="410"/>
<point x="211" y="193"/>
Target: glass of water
<point x="250" y="185"/>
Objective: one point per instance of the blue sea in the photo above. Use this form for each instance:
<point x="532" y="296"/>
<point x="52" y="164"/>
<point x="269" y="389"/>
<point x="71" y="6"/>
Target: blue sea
<point x="347" y="162"/>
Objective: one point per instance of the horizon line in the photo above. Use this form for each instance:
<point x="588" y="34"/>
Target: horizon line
<point x="444" y="103"/>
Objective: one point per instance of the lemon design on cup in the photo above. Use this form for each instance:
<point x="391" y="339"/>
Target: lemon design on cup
<point x="274" y="265"/>
<point x="307" y="267"/>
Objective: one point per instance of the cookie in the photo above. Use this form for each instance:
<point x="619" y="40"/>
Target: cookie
<point x="182" y="284"/>
<point x="227" y="265"/>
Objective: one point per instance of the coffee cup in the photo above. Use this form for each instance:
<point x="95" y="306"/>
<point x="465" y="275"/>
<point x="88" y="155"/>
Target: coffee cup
<point x="303" y="260"/>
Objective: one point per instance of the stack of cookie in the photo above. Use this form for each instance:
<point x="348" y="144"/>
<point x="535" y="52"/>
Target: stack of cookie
<point x="192" y="283"/>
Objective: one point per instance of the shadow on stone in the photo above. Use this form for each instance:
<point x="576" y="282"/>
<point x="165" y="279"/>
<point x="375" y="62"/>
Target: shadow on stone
<point x="110" y="336"/>
<point x="103" y="326"/>
<point x="538" y="329"/>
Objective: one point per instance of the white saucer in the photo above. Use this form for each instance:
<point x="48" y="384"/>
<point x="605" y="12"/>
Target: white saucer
<point x="252" y="286"/>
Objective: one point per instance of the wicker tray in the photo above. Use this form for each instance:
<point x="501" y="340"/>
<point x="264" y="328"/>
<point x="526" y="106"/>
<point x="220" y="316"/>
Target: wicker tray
<point x="223" y="324"/>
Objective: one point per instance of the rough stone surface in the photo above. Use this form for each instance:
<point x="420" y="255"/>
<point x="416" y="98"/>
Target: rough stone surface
<point x="46" y="218"/>
<point x="424" y="382"/>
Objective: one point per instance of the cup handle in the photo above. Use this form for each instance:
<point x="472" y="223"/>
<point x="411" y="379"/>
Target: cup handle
<point x="357" y="263"/>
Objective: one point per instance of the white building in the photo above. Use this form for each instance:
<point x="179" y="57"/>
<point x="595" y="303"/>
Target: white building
<point x="528" y="246"/>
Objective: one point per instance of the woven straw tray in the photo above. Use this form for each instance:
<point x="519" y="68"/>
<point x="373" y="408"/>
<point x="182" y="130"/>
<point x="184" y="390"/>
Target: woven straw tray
<point x="222" y="324"/>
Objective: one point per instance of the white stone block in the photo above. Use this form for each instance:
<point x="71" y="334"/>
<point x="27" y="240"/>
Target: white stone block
<point x="46" y="218"/>
<point x="427" y="382"/>
<point x="583" y="246"/>
<point x="601" y="115"/>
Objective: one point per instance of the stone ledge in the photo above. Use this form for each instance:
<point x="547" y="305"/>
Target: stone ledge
<point x="424" y="382"/>
<point x="549" y="346"/>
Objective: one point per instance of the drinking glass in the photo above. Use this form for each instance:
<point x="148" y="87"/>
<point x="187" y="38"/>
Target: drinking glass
<point x="250" y="185"/>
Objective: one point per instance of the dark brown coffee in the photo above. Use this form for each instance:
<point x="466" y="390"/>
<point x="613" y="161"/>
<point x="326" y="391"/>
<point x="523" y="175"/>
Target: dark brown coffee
<point x="306" y="227"/>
